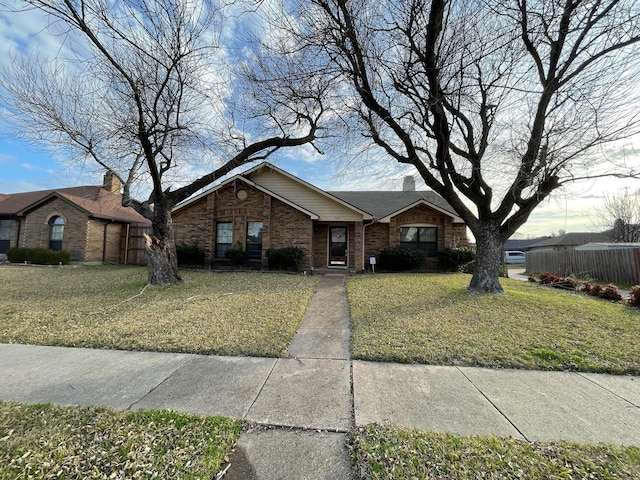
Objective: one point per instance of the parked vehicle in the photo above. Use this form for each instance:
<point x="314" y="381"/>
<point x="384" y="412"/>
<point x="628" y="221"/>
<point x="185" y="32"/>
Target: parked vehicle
<point x="514" y="257"/>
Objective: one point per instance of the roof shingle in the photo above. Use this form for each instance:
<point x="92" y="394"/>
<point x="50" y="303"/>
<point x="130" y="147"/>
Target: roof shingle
<point x="383" y="203"/>
<point x="95" y="200"/>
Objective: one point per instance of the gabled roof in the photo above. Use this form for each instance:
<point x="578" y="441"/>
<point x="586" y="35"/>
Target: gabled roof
<point x="95" y="201"/>
<point x="255" y="170"/>
<point x="385" y="204"/>
<point x="378" y="205"/>
<point x="241" y="178"/>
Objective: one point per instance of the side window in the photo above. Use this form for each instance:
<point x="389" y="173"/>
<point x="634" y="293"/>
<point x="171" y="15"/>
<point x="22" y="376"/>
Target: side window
<point x="254" y="240"/>
<point x="56" y="232"/>
<point x="224" y="238"/>
<point x="5" y="235"/>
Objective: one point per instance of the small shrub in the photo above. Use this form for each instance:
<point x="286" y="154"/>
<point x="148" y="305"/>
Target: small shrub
<point x="237" y="256"/>
<point x="595" y="290"/>
<point x="17" y="255"/>
<point x="38" y="256"/>
<point x="190" y="254"/>
<point x="634" y="296"/>
<point x="586" y="287"/>
<point x="610" y="292"/>
<point x="469" y="267"/>
<point x="454" y="258"/>
<point x="286" y="258"/>
<point x="401" y="259"/>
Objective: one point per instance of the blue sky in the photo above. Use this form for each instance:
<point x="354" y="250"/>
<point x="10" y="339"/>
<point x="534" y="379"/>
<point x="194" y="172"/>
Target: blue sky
<point x="25" y="167"/>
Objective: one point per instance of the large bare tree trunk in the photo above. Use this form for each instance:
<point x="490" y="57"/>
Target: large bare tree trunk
<point x="486" y="276"/>
<point x="162" y="260"/>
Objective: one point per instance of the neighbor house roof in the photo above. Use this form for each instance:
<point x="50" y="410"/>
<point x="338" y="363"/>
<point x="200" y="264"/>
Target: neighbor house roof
<point x="382" y="204"/>
<point x="571" y="239"/>
<point x="96" y="201"/>
<point x="522" y="244"/>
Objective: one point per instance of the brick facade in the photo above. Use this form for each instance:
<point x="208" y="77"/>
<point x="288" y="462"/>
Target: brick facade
<point x="36" y="228"/>
<point x="283" y="225"/>
<point x="383" y="235"/>
<point x="87" y="239"/>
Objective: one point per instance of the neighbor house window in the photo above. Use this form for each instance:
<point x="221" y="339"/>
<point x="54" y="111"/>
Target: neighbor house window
<point x="422" y="238"/>
<point x="224" y="237"/>
<point x="56" y="230"/>
<point x="254" y="240"/>
<point x="5" y="235"/>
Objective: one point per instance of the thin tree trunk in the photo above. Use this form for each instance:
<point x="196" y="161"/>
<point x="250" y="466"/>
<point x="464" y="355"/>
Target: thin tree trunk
<point x="486" y="276"/>
<point x="162" y="260"/>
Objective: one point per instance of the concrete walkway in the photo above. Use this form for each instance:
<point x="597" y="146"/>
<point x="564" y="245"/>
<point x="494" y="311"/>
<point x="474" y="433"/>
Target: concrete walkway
<point x="300" y="407"/>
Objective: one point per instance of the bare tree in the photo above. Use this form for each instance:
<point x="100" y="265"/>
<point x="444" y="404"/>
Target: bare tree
<point x="143" y="88"/>
<point x="496" y="103"/>
<point x="619" y="215"/>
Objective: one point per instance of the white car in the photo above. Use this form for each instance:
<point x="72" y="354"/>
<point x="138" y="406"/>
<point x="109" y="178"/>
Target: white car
<point x="514" y="257"/>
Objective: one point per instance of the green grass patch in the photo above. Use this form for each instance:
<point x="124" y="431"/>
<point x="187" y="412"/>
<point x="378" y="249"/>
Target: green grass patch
<point x="431" y="319"/>
<point x="388" y="452"/>
<point x="109" y="307"/>
<point x="47" y="441"/>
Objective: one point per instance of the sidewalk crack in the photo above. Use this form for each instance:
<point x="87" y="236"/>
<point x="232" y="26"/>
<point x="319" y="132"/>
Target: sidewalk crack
<point x="160" y="383"/>
<point x="504" y="415"/>
<point x="630" y="402"/>
<point x="244" y="417"/>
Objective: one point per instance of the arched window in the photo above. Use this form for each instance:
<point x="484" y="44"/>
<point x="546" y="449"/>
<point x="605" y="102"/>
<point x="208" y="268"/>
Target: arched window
<point x="56" y="230"/>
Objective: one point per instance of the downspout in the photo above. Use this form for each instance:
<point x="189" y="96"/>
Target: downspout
<point x="104" y="243"/>
<point x="18" y="237"/>
<point x="364" y="227"/>
<point x="126" y="245"/>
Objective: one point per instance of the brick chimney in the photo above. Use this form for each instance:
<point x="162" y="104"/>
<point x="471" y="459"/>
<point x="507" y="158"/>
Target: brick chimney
<point x="111" y="182"/>
<point x="409" y="184"/>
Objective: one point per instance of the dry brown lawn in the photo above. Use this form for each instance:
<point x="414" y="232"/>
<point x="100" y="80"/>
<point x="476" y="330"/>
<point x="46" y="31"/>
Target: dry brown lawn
<point x="239" y="313"/>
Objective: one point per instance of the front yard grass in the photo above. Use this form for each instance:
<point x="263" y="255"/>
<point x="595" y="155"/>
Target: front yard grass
<point x="384" y="452"/>
<point x="240" y="313"/>
<point x="47" y="441"/>
<point x="429" y="318"/>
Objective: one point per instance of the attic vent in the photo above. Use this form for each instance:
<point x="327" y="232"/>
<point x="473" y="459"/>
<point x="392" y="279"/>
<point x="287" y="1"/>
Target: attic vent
<point x="409" y="184"/>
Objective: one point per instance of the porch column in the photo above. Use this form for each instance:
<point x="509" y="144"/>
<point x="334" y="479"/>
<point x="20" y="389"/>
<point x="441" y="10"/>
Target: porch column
<point x="358" y="240"/>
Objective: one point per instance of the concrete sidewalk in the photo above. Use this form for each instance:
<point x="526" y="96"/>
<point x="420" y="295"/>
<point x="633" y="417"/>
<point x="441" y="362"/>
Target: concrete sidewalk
<point x="299" y="408"/>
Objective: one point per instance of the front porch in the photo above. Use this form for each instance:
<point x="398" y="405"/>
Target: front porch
<point x="337" y="246"/>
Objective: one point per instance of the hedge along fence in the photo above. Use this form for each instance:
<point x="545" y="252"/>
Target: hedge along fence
<point x="617" y="266"/>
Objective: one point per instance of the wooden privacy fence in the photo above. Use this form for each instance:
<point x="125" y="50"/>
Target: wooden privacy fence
<point x="621" y="266"/>
<point x="132" y="245"/>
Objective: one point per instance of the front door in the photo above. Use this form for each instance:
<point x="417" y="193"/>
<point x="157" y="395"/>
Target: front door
<point x="338" y="246"/>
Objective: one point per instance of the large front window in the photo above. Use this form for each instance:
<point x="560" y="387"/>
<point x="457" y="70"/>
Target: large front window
<point x="224" y="237"/>
<point x="56" y="231"/>
<point x="254" y="240"/>
<point x="422" y="238"/>
<point x="5" y="235"/>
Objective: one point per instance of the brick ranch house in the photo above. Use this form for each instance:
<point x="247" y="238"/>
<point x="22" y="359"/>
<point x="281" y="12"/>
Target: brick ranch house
<point x="89" y="222"/>
<point x="266" y="207"/>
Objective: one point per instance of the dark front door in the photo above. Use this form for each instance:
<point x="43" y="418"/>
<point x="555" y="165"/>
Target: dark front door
<point x="338" y="246"/>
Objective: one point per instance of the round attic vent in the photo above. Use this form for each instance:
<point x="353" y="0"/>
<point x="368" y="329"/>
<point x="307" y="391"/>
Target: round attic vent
<point x="241" y="195"/>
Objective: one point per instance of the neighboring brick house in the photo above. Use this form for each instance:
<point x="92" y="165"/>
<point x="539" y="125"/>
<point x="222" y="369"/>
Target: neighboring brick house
<point x="266" y="207"/>
<point x="89" y="222"/>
